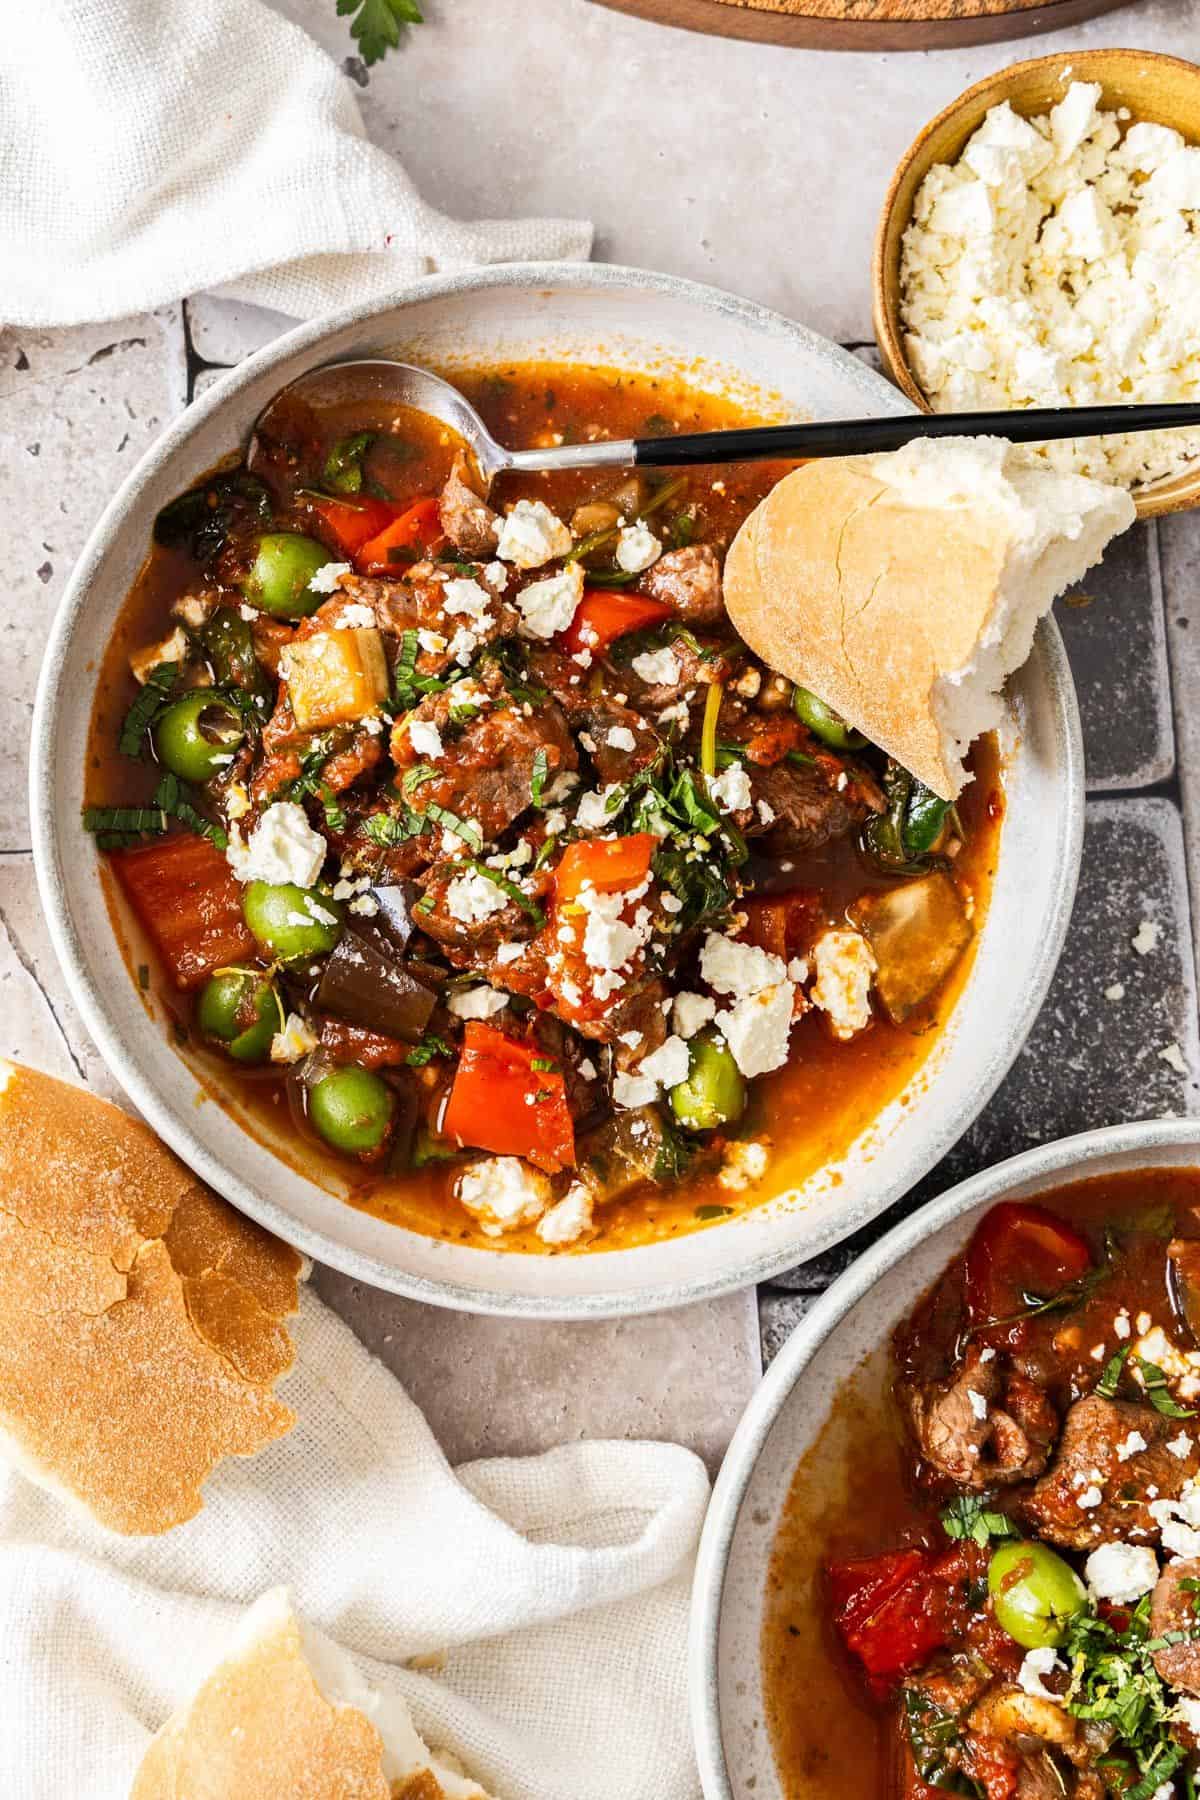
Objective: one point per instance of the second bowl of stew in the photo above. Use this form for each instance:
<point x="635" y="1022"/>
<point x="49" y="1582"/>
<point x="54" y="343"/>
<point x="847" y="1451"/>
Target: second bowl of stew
<point x="527" y="943"/>
<point x="954" y="1548"/>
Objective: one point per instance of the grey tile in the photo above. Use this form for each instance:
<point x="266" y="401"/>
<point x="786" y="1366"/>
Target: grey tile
<point x="511" y="1387"/>
<point x="779" y="1313"/>
<point x="1090" y="1060"/>
<point x="1112" y="624"/>
<point x="1179" y="537"/>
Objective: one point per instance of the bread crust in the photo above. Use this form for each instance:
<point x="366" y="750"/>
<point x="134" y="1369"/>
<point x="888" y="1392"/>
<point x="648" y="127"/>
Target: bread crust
<point x="141" y="1318"/>
<point x="837" y="583"/>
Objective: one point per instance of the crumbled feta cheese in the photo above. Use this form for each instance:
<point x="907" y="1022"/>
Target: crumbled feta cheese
<point x="425" y="738"/>
<point x="633" y="1090"/>
<point x="496" y="576"/>
<point x="1121" y="1572"/>
<point x="690" y="1013"/>
<point x="1055" y="264"/>
<point x="509" y="953"/>
<point x="743" y="1164"/>
<point x="979" y="1405"/>
<point x="657" y="668"/>
<point x="766" y="813"/>
<point x="326" y="580"/>
<point x="1121" y="1326"/>
<point x="567" y="1221"/>
<point x="668" y="1065"/>
<point x="434" y="642"/>
<point x="464" y="597"/>
<point x="1180" y="1446"/>
<point x="355" y="617"/>
<point x="757" y="1029"/>
<point x="531" y="535"/>
<point x="621" y="738"/>
<point x="1089" y="1498"/>
<point x="1031" y="1676"/>
<point x="608" y="941"/>
<point x="732" y="967"/>
<point x="637" y="548"/>
<point x="845" y="964"/>
<point x="476" y="1003"/>
<point x="472" y="897"/>
<point x="1130" y="1445"/>
<point x="237" y="801"/>
<point x="547" y="607"/>
<point x="283" y="847"/>
<point x="731" y="788"/>
<point x="1145" y="938"/>
<point x="503" y="1193"/>
<point x="295" y="1041"/>
<point x="592" y="813"/>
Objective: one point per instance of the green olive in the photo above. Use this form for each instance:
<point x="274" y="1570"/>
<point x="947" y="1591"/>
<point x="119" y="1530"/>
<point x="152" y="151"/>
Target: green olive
<point x="291" y="923"/>
<point x="240" y="1011"/>
<point x="824" y="723"/>
<point x="351" y="1108"/>
<point x="1035" y="1593"/>
<point x="713" y="1093"/>
<point x="284" y="564"/>
<point x="196" y="737"/>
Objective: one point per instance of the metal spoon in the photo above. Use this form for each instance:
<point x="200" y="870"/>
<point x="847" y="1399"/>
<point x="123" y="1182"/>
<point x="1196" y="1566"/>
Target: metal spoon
<point x="405" y="385"/>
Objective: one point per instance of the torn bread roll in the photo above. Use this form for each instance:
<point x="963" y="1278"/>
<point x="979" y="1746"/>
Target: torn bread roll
<point x="141" y="1318"/>
<point x="287" y="1713"/>
<point x="904" y="589"/>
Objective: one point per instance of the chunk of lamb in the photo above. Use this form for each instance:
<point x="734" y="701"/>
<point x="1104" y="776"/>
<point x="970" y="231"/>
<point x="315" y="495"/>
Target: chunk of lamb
<point x="800" y="806"/>
<point x="470" y="942"/>
<point x="688" y="580"/>
<point x="694" y="671"/>
<point x="1173" y="1608"/>
<point x="985" y="1426"/>
<point x="467" y="520"/>
<point x="617" y="739"/>
<point x="419" y="603"/>
<point x="485" y="773"/>
<point x="1110" y="1453"/>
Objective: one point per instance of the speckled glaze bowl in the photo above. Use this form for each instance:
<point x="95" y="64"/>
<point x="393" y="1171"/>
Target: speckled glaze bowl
<point x="1162" y="89"/>
<point x="610" y="316"/>
<point x="851" y="1322"/>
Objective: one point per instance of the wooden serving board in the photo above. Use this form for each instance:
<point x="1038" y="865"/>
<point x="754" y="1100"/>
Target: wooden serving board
<point x="869" y="24"/>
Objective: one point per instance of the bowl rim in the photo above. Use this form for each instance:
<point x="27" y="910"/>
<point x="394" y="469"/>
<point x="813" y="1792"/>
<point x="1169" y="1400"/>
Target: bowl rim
<point x="1043" y="1163"/>
<point x="1154" y="499"/>
<point x="181" y="1135"/>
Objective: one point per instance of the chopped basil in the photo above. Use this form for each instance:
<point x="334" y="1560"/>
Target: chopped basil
<point x="426" y="1050"/>
<point x="466" y="829"/>
<point x="117" y="827"/>
<point x="510" y="888"/>
<point x="967" y="1516"/>
<point x="155" y="695"/>
<point x="1114" y="1368"/>
<point x="343" y="471"/>
<point x="537" y="780"/>
<point x="1158" y="1394"/>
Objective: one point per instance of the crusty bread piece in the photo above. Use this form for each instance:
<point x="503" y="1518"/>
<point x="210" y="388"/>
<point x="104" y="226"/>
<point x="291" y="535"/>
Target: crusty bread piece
<point x="287" y="1714"/>
<point x="904" y="589"/>
<point x="141" y="1318"/>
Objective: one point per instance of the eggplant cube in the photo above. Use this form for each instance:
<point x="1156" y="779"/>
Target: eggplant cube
<point x="335" y="677"/>
<point x="918" y="931"/>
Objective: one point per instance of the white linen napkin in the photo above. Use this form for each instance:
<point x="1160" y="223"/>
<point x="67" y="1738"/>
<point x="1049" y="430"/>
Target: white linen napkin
<point x="152" y="149"/>
<point x="557" y="1585"/>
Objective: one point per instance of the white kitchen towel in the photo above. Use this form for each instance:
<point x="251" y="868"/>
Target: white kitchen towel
<point x="151" y="149"/>
<point x="556" y="1585"/>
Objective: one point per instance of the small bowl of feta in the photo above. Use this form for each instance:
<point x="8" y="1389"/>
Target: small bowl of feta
<point x="1039" y="246"/>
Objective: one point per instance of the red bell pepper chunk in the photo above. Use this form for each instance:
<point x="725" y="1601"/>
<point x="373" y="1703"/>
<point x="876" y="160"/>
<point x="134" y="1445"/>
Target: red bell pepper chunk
<point x="888" y="1612"/>
<point x="415" y="529"/>
<point x="1019" y="1250"/>
<point x="782" y="923"/>
<point x="500" y="1102"/>
<point x="352" y="526"/>
<point x="606" y="864"/>
<point x="600" y="618"/>
<point x="186" y="896"/>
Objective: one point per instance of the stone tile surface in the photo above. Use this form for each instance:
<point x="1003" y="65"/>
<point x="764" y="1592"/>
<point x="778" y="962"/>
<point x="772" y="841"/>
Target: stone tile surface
<point x="1113" y="627"/>
<point x="1180" y="540"/>
<point x="77" y="409"/>
<point x="500" y="1387"/>
<point x="1090" y="1060"/>
<point x="743" y="165"/>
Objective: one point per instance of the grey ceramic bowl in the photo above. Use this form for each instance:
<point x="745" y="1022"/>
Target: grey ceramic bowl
<point x="571" y="313"/>
<point x="847" y="1324"/>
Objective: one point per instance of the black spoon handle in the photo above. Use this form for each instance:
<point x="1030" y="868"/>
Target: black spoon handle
<point x="856" y="437"/>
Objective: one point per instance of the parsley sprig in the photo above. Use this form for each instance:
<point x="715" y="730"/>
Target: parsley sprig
<point x="970" y="1516"/>
<point x="375" y="24"/>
